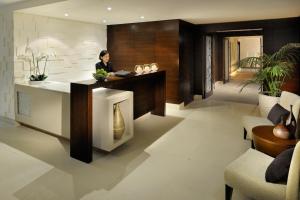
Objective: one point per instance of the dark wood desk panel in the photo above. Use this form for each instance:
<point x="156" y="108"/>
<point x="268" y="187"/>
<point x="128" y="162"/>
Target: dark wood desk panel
<point x="149" y="96"/>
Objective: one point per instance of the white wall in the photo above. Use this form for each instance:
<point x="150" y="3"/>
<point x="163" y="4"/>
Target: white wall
<point x="76" y="45"/>
<point x="233" y="54"/>
<point x="250" y="46"/>
<point x="6" y="65"/>
<point x="7" y="53"/>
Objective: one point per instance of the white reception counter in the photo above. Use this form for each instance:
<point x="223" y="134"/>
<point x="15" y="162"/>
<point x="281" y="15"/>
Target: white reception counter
<point x="45" y="106"/>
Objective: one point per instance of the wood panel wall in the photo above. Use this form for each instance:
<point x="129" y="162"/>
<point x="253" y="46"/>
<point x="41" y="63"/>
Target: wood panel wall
<point x="186" y="61"/>
<point x="156" y="42"/>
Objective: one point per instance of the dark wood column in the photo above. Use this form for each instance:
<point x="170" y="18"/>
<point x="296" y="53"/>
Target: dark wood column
<point x="159" y="94"/>
<point x="149" y="96"/>
<point x="81" y="139"/>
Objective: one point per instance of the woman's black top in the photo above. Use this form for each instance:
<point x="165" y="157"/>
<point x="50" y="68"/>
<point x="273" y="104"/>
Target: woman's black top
<point x="101" y="65"/>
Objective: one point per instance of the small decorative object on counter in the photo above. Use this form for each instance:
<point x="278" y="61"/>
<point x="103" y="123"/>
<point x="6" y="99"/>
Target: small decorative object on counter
<point x="292" y="125"/>
<point x="280" y="130"/>
<point x="37" y="77"/>
<point x="154" y="67"/>
<point x="138" y="69"/>
<point x="122" y="73"/>
<point x="147" y="68"/>
<point x="119" y="124"/>
<point x="100" y="75"/>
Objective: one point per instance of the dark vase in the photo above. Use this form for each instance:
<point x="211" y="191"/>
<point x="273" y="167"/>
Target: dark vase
<point x="292" y="126"/>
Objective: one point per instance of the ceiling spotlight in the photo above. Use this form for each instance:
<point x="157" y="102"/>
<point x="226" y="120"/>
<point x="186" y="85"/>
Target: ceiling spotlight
<point x="104" y="21"/>
<point x="109" y="8"/>
<point x="66" y="15"/>
<point x="142" y="17"/>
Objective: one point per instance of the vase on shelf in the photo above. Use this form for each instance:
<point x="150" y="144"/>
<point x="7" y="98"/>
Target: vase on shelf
<point x="280" y="130"/>
<point x="292" y="125"/>
<point x="118" y="122"/>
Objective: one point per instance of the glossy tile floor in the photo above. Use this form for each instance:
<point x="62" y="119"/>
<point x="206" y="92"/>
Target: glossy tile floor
<point x="231" y="92"/>
<point x="180" y="156"/>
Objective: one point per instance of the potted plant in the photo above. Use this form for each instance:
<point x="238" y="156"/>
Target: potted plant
<point x="100" y="75"/>
<point x="35" y="62"/>
<point x="272" y="73"/>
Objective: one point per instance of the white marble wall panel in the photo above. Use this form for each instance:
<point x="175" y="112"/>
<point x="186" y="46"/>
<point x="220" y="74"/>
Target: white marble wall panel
<point x="76" y="44"/>
<point x="6" y="65"/>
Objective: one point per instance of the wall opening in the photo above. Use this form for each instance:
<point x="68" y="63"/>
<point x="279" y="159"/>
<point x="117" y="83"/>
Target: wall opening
<point x="236" y="49"/>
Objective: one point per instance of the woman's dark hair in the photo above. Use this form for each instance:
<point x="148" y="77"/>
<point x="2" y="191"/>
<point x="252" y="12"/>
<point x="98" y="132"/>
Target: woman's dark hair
<point x="103" y="53"/>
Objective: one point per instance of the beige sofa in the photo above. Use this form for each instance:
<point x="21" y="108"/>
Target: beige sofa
<point x="247" y="175"/>
<point x="286" y="99"/>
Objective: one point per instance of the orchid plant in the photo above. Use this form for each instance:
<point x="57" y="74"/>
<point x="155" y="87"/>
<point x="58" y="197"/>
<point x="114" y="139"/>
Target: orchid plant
<point x="37" y="72"/>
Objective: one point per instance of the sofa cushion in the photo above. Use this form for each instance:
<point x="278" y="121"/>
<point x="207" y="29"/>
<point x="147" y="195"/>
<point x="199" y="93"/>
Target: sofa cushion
<point x="278" y="170"/>
<point x="247" y="174"/>
<point x="287" y="98"/>
<point x="292" y="187"/>
<point x="276" y="113"/>
<point x="296" y="108"/>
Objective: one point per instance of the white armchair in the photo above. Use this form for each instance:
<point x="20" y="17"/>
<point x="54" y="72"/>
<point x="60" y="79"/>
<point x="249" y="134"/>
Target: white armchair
<point x="247" y="175"/>
<point x="286" y="99"/>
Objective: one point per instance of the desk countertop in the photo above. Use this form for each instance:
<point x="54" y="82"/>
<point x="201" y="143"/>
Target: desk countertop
<point x="47" y="85"/>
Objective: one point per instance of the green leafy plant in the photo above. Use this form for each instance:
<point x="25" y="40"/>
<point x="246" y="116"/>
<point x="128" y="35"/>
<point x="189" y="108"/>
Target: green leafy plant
<point x="273" y="69"/>
<point x="100" y="74"/>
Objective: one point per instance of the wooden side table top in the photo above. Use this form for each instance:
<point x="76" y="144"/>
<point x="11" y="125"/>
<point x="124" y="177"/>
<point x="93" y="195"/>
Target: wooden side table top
<point x="265" y="141"/>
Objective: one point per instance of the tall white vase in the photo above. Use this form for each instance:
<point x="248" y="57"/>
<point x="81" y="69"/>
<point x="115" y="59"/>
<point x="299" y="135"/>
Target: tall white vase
<point x="266" y="103"/>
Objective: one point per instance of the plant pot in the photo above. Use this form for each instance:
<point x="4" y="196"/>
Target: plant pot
<point x="35" y="82"/>
<point x="41" y="77"/>
<point x="266" y="103"/>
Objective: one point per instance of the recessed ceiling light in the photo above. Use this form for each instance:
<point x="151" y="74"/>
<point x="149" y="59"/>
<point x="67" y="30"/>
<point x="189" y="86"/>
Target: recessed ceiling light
<point x="104" y="21"/>
<point x="66" y="15"/>
<point x="142" y="17"/>
<point x="109" y="8"/>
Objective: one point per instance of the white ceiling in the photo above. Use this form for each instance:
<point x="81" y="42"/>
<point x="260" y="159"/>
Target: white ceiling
<point x="6" y="2"/>
<point x="195" y="11"/>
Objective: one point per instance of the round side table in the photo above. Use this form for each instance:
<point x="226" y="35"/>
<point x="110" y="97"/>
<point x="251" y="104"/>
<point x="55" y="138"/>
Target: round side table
<point x="265" y="141"/>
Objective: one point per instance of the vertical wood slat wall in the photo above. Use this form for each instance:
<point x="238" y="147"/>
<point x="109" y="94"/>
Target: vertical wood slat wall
<point x="169" y="43"/>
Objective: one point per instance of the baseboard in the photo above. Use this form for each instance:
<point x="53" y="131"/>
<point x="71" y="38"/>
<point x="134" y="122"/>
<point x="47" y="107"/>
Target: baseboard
<point x="217" y="83"/>
<point x="9" y="121"/>
<point x="44" y="131"/>
<point x="181" y="105"/>
<point x="175" y="106"/>
<point x="197" y="97"/>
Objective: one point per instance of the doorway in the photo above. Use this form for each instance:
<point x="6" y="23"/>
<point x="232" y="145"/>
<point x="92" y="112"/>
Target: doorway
<point x="236" y="49"/>
<point x="233" y="50"/>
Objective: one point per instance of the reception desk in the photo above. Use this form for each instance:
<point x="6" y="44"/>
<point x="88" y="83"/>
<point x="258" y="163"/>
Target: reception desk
<point x="149" y="96"/>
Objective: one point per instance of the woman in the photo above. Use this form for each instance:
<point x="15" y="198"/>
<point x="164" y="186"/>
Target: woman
<point x="104" y="64"/>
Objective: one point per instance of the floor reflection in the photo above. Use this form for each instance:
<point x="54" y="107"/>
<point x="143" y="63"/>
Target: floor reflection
<point x="72" y="179"/>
